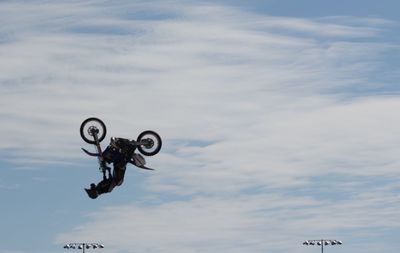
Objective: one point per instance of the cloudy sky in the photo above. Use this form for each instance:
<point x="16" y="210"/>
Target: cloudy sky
<point x="279" y="122"/>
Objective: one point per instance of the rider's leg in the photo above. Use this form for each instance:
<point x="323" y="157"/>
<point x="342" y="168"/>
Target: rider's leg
<point x="119" y="173"/>
<point x="107" y="157"/>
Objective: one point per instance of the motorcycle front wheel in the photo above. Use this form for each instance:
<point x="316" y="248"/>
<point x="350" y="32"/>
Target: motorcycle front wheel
<point x="150" y="143"/>
<point x="91" y="127"/>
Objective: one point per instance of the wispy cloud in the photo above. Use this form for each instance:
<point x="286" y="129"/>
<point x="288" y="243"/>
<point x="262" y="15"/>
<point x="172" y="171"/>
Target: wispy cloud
<point x="258" y="222"/>
<point x="255" y="112"/>
<point x="8" y="187"/>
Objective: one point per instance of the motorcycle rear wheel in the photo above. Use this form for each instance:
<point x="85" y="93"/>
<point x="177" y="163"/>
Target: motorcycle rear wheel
<point x="153" y="143"/>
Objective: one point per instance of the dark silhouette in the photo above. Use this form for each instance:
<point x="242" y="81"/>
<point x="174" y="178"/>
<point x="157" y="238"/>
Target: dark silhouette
<point x="120" y="152"/>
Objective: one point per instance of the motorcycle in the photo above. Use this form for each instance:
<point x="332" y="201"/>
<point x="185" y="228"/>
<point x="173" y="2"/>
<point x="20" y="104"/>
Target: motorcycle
<point x="93" y="131"/>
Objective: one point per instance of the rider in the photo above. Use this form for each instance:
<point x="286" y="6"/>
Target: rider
<point x="119" y="153"/>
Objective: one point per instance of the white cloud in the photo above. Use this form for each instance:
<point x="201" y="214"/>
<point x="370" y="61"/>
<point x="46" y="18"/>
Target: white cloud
<point x="255" y="223"/>
<point x="250" y="108"/>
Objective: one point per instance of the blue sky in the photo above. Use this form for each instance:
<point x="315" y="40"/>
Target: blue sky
<point x="279" y="121"/>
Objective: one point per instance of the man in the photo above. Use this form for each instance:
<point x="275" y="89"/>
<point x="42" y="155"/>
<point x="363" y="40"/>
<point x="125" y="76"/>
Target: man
<point x="120" y="152"/>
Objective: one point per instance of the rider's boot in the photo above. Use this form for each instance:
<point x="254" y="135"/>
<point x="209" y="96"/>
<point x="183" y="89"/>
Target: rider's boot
<point x="92" y="192"/>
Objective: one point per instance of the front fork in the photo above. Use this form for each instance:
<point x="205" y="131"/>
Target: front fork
<point x="102" y="163"/>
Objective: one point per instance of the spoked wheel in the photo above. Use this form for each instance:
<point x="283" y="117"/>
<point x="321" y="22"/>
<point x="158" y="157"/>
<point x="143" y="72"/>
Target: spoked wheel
<point x="92" y="127"/>
<point x="150" y="143"/>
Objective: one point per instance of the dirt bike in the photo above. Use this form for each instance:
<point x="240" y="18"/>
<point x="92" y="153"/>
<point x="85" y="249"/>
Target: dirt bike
<point x="93" y="131"/>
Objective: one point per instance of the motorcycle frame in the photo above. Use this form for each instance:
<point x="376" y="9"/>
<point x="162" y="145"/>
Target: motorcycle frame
<point x="99" y="155"/>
